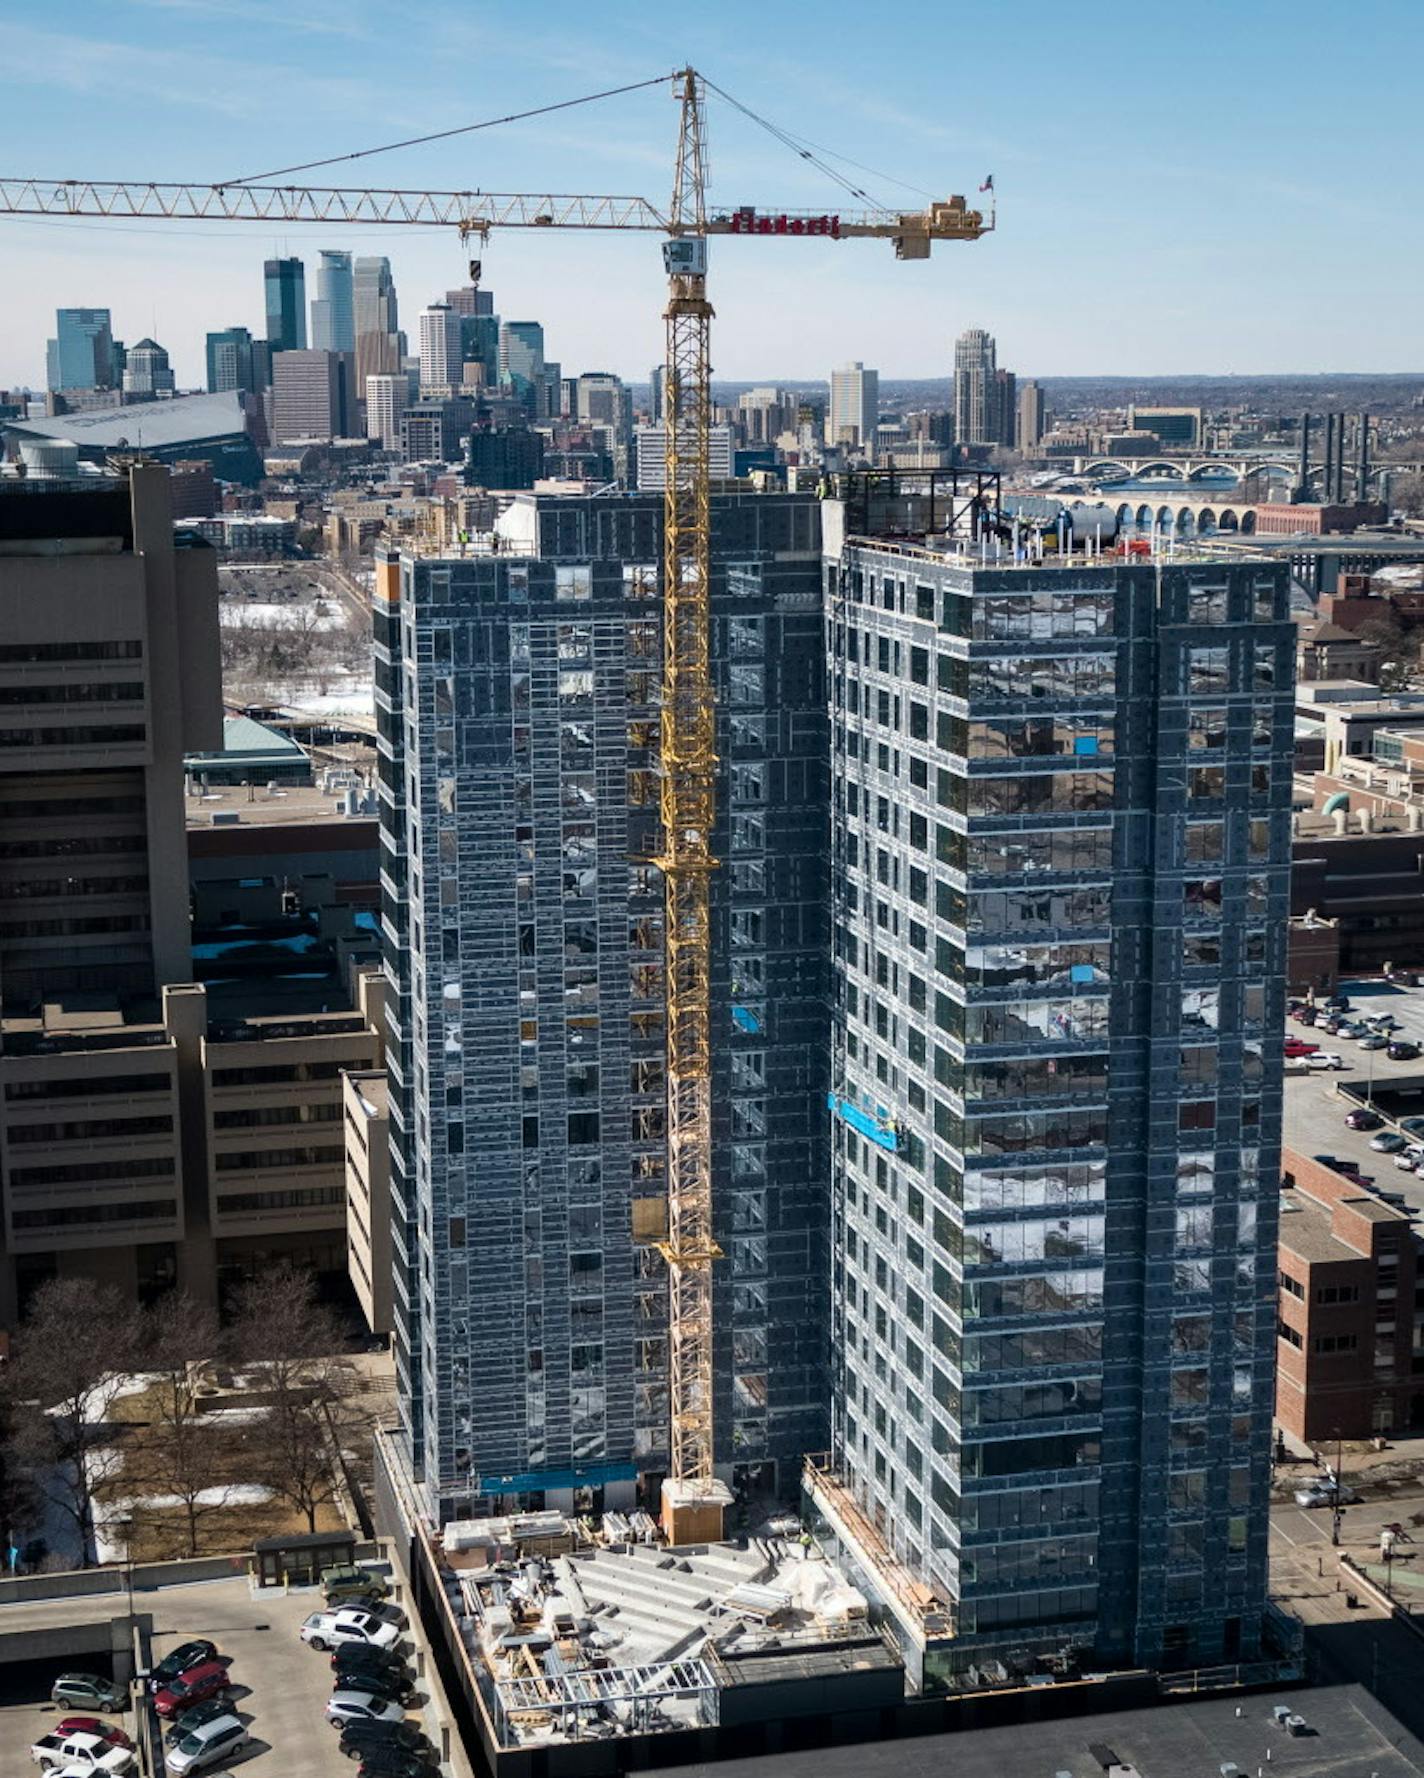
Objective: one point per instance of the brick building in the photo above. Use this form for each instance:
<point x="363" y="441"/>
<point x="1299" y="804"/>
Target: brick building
<point x="1350" y="1337"/>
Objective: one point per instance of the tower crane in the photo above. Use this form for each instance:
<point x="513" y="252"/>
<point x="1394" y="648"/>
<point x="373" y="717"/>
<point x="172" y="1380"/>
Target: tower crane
<point x="693" y="1498"/>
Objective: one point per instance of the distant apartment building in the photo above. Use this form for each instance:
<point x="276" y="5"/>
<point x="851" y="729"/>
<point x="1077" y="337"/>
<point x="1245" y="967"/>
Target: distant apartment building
<point x="517" y="701"/>
<point x="1032" y="416"/>
<point x="1179" y="428"/>
<point x="433" y="430"/>
<point x="440" y="352"/>
<point x="237" y="361"/>
<point x="386" y="400"/>
<point x="855" y="406"/>
<point x="504" y="457"/>
<point x="312" y="395"/>
<point x="1350" y="1339"/>
<point x="650" y="456"/>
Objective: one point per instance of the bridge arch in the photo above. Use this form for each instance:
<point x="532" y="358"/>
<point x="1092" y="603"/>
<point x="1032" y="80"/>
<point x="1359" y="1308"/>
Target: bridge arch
<point x="1206" y="521"/>
<point x="1144" y="516"/>
<point x="1226" y="520"/>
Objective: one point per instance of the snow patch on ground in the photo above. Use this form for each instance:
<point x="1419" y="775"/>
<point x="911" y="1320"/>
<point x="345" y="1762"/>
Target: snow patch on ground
<point x="278" y="615"/>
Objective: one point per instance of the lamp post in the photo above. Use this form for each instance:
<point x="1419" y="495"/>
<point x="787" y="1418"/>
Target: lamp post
<point x="1339" y="1486"/>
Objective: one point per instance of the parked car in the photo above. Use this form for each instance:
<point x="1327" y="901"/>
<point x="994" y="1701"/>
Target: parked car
<point x="1400" y="1050"/>
<point x="206" y="1745"/>
<point x="1373" y="1040"/>
<point x="94" y="1754"/>
<point x="87" y="1691"/>
<point x="180" y="1659"/>
<point x="1325" y="1059"/>
<point x="361" y="1706"/>
<point x="358" y="1737"/>
<point x="1410" y="1158"/>
<point x="1351" y="1031"/>
<point x="1383" y="1021"/>
<point x="1321" y="1492"/>
<point x="329" y="1629"/>
<point x="365" y="1657"/>
<point x="189" y="1720"/>
<point x="385" y="1682"/>
<point x="1362" y="1118"/>
<point x="95" y="1725"/>
<point x="1388" y="1142"/>
<point x="397" y="1762"/>
<point x="1297" y="1046"/>
<point x="1341" y="1002"/>
<point x="209" y="1679"/>
<point x="350" y="1582"/>
<point x="1412" y="1126"/>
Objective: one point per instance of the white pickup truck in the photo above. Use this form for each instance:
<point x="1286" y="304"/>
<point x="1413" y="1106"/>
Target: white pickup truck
<point x="90" y="1754"/>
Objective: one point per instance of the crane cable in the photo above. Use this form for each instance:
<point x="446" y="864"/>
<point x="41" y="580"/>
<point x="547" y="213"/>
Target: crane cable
<point x="803" y="149"/>
<point x="466" y="129"/>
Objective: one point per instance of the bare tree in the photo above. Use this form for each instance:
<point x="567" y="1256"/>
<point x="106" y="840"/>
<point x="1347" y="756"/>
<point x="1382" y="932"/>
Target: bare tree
<point x="1406" y="495"/>
<point x="183" y="1457"/>
<point x="76" y="1338"/>
<point x="281" y="1330"/>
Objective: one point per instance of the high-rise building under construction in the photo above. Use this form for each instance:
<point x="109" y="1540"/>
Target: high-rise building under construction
<point x="517" y="704"/>
<point x="1060" y="867"/>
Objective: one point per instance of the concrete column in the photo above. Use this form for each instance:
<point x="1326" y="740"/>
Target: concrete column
<point x="185" y="1013"/>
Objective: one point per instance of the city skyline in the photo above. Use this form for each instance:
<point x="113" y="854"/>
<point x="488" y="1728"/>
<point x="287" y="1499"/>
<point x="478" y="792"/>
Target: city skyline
<point x="1066" y="187"/>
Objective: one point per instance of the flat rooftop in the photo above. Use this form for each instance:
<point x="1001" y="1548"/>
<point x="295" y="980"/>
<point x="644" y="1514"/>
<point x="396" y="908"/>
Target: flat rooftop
<point x="1348" y="1734"/>
<point x="252" y="805"/>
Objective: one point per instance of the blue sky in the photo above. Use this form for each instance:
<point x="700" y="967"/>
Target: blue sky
<point x="1201" y="186"/>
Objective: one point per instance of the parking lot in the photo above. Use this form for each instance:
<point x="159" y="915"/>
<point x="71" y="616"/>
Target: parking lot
<point x="1316" y="1107"/>
<point x="281" y="1685"/>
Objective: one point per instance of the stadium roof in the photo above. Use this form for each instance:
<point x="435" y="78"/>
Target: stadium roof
<point x="143" y="424"/>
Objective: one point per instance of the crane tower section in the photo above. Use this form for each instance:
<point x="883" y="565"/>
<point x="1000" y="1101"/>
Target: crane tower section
<point x="693" y="1498"/>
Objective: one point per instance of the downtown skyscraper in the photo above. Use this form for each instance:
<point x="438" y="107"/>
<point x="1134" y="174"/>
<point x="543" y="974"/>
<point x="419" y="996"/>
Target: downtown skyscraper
<point x="1060" y="868"/>
<point x="333" y="310"/>
<point x="376" y="320"/>
<point x="285" y="283"/>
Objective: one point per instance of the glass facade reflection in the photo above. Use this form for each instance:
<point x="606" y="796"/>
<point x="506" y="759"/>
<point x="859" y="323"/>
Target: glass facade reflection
<point x="1060" y="849"/>
<point x="523" y="917"/>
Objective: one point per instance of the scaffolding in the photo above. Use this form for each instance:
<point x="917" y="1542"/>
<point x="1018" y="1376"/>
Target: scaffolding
<point x="594" y="1703"/>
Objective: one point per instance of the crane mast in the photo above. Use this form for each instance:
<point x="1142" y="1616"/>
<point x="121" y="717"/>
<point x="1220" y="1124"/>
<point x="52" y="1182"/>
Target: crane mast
<point x="693" y="1497"/>
<point x="688" y="798"/>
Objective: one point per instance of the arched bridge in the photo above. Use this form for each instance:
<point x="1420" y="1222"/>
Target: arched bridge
<point x="1183" y="469"/>
<point x="1194" y="516"/>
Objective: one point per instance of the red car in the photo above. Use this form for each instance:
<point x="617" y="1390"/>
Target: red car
<point x="207" y="1680"/>
<point x="1304" y="1015"/>
<point x="1297" y="1046"/>
<point x="92" y="1725"/>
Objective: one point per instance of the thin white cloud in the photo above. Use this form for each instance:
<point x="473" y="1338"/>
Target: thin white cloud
<point x="312" y="18"/>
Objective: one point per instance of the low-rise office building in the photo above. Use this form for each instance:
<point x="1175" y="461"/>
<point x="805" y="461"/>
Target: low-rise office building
<point x="1350" y="1339"/>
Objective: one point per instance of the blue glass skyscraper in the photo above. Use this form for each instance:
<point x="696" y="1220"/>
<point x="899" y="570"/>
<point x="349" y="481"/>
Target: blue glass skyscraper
<point x="286" y="283"/>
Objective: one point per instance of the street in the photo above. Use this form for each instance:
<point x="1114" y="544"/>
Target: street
<point x="1359" y="1642"/>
